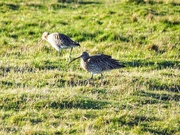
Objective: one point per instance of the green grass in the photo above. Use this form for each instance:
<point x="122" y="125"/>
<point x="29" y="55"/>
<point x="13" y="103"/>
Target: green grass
<point x="40" y="94"/>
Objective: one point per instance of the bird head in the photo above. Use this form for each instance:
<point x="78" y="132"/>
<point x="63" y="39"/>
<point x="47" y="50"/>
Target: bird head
<point x="44" y="37"/>
<point x="84" y="56"/>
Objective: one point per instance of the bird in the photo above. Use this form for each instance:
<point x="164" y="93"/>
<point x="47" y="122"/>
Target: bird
<point x="59" y="41"/>
<point x="98" y="63"/>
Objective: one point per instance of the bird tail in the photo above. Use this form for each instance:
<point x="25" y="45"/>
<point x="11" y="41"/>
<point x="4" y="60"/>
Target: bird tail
<point x="77" y="44"/>
<point x="122" y="66"/>
<point x="115" y="64"/>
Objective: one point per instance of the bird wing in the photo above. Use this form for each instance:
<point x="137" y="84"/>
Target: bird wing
<point x="63" y="40"/>
<point x="104" y="62"/>
<point x="103" y="55"/>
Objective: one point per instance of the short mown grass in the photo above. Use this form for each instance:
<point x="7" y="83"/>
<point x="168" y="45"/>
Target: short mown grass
<point x="40" y="94"/>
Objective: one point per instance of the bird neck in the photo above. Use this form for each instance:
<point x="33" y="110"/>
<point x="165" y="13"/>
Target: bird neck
<point x="85" y="59"/>
<point x="47" y="38"/>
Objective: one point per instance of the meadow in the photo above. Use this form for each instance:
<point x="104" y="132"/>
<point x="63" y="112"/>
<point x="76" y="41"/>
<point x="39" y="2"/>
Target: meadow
<point x="40" y="94"/>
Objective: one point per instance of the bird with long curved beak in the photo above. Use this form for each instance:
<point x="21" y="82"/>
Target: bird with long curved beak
<point x="59" y="41"/>
<point x="74" y="59"/>
<point x="98" y="63"/>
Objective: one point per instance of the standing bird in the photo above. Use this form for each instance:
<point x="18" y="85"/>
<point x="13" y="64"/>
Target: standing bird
<point x="98" y="63"/>
<point x="59" y="41"/>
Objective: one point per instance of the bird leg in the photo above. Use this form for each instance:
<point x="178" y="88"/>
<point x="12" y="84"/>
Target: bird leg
<point x="59" y="54"/>
<point x="70" y="54"/>
<point x="59" y="51"/>
<point x="102" y="79"/>
<point x="91" y="78"/>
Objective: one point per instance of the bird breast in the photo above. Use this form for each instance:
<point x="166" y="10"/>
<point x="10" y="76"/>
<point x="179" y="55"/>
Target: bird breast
<point x="83" y="64"/>
<point x="90" y="67"/>
<point x="53" y="42"/>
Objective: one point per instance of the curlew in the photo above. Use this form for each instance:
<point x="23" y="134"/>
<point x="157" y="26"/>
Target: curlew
<point x="98" y="63"/>
<point x="59" y="41"/>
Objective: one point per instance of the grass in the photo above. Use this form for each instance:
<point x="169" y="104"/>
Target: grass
<point x="41" y="95"/>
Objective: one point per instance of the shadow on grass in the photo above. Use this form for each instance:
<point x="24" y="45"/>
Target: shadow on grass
<point x="175" y="88"/>
<point x="58" y="6"/>
<point x="143" y="122"/>
<point x="39" y="101"/>
<point x="84" y="103"/>
<point x="171" y="23"/>
<point x="6" y="69"/>
<point x="159" y="97"/>
<point x="79" y="2"/>
<point x="35" y="5"/>
<point x="175" y="4"/>
<point x="95" y="83"/>
<point x="73" y="83"/>
<point x="89" y="2"/>
<point x="131" y="121"/>
<point x="153" y="2"/>
<point x="159" y="131"/>
<point x="158" y="64"/>
<point x="47" y="65"/>
<point x="10" y="6"/>
<point x="6" y="83"/>
<point x="136" y="1"/>
<point x="12" y="84"/>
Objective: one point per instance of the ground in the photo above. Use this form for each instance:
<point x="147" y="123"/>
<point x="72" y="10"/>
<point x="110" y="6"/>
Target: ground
<point x="40" y="94"/>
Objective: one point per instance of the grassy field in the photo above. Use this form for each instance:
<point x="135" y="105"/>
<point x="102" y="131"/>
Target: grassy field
<point x="40" y="94"/>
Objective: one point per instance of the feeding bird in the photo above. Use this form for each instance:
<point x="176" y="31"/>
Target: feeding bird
<point x="98" y="63"/>
<point x="59" y="41"/>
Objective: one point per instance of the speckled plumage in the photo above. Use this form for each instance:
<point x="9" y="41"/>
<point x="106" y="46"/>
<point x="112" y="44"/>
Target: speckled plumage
<point x="98" y="63"/>
<point x="59" y="41"/>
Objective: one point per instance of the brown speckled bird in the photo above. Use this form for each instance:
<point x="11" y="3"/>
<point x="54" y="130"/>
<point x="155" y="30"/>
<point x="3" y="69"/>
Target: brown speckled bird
<point x="98" y="63"/>
<point x="59" y="41"/>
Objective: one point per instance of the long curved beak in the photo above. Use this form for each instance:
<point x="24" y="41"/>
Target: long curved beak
<point x="40" y="41"/>
<point x="74" y="59"/>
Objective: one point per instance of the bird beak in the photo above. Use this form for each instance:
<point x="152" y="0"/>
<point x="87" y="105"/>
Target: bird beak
<point x="74" y="59"/>
<point x="39" y="42"/>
